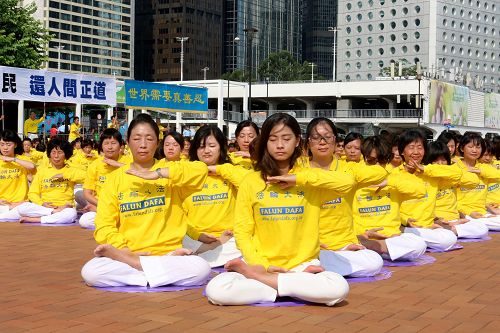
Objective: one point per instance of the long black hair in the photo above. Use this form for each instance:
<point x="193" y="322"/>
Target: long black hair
<point x="200" y="138"/>
<point x="263" y="161"/>
<point x="8" y="135"/>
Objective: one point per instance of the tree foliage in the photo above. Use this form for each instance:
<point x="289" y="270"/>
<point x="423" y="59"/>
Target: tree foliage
<point x="236" y="75"/>
<point x="23" y="40"/>
<point x="408" y="70"/>
<point x="281" y="66"/>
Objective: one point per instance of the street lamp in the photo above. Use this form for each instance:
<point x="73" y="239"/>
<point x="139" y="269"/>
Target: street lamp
<point x="312" y="71"/>
<point x="204" y="70"/>
<point x="182" y="40"/>
<point x="59" y="48"/>
<point x="250" y="34"/>
<point x="418" y="101"/>
<point x="267" y="95"/>
<point x="334" y="51"/>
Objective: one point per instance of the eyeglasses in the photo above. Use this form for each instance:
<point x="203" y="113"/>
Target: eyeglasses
<point x="316" y="138"/>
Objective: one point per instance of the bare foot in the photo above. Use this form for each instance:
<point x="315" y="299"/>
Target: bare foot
<point x="256" y="272"/>
<point x="26" y="219"/>
<point x="314" y="269"/>
<point x="181" y="252"/>
<point x="122" y="255"/>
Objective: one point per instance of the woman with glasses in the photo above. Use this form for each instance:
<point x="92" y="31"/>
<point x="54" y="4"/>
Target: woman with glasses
<point x="276" y="226"/>
<point x="341" y="251"/>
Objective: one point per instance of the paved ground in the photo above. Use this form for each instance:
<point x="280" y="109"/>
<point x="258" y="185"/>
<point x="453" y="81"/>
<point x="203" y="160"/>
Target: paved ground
<point x="41" y="291"/>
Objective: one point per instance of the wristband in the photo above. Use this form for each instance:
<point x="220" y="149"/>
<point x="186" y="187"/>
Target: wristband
<point x="158" y="171"/>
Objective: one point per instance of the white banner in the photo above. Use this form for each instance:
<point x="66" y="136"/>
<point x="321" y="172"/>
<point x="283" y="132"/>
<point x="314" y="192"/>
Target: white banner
<point x="47" y="86"/>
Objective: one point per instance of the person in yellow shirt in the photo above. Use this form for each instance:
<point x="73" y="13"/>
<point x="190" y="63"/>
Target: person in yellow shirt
<point x="31" y="126"/>
<point x="339" y="149"/>
<point x="472" y="202"/>
<point x="396" y="159"/>
<point x="276" y="226"/>
<point x="14" y="172"/>
<point x="114" y="123"/>
<point x="32" y="154"/>
<point x="352" y="147"/>
<point x="74" y="129"/>
<point x="376" y="209"/>
<point x="447" y="214"/>
<point x="139" y="223"/>
<point x="210" y="211"/>
<point x="161" y="128"/>
<point x="418" y="215"/>
<point x="493" y="196"/>
<point x="97" y="172"/>
<point x="341" y="251"/>
<point x="51" y="192"/>
<point x="450" y="140"/>
<point x="245" y="133"/>
<point x="185" y="150"/>
<point x="172" y="147"/>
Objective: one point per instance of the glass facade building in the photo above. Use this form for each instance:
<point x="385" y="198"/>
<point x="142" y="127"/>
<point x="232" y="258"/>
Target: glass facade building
<point x="279" y="25"/>
<point x="89" y="36"/>
<point x="158" y="52"/>
<point x="317" y="41"/>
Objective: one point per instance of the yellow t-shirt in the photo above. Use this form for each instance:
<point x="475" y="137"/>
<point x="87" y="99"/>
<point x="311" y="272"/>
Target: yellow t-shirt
<point x="146" y="215"/>
<point x="161" y="128"/>
<point x="35" y="156"/>
<point x="58" y="192"/>
<point x="423" y="210"/>
<point x="279" y="227"/>
<point x="97" y="173"/>
<point x="13" y="181"/>
<point x="211" y="210"/>
<point x="31" y="126"/>
<point x="74" y="131"/>
<point x="474" y="199"/>
<point x="446" y="197"/>
<point x="242" y="161"/>
<point x="374" y="208"/>
<point x="336" y="229"/>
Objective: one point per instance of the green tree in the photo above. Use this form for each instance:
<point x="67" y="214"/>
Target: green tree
<point x="23" y="40"/>
<point x="408" y="70"/>
<point x="236" y="75"/>
<point x="281" y="66"/>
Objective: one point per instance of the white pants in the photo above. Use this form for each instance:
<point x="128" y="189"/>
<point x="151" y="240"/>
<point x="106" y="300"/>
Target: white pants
<point x="438" y="239"/>
<point x="233" y="288"/>
<point x="405" y="247"/>
<point x="491" y="221"/>
<point x="156" y="271"/>
<point x="475" y="228"/>
<point x="7" y="215"/>
<point x="32" y="136"/>
<point x="216" y="257"/>
<point x="359" y="263"/>
<point x="67" y="215"/>
<point x="87" y="220"/>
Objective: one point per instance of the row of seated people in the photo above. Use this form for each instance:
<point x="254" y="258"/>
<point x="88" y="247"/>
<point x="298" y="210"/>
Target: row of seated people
<point x="282" y="206"/>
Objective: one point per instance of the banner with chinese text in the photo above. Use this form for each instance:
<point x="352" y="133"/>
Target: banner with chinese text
<point x="448" y="103"/>
<point x="166" y="97"/>
<point x="492" y="110"/>
<point x="48" y="86"/>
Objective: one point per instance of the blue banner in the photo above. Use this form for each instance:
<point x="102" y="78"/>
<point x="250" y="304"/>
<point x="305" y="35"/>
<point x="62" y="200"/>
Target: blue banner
<point x="166" y="97"/>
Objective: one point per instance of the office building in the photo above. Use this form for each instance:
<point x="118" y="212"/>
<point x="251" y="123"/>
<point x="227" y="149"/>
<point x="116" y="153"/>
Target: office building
<point x="90" y="37"/>
<point x="455" y="40"/>
<point x="317" y="39"/>
<point x="159" y="26"/>
<point x="279" y="25"/>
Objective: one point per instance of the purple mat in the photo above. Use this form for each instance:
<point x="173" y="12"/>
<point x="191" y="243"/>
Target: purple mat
<point x="219" y="269"/>
<point x="384" y="274"/>
<point x="420" y="261"/>
<point x="16" y="221"/>
<point x="453" y="248"/>
<point x="474" y="240"/>
<point x="282" y="302"/>
<point x="494" y="231"/>
<point x="89" y="228"/>
<point x="52" y="224"/>
<point x="141" y="289"/>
